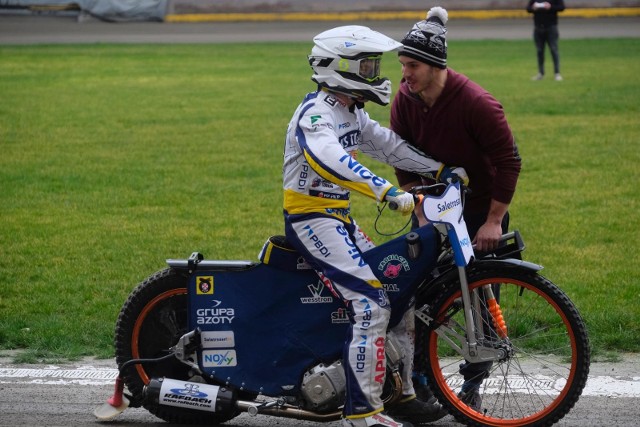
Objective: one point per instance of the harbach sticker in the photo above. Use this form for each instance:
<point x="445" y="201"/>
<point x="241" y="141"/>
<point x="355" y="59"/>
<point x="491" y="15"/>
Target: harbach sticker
<point x="190" y="395"/>
<point x="204" y="285"/>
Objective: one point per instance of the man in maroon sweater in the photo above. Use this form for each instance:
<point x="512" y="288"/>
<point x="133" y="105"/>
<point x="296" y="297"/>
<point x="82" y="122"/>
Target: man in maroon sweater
<point x="457" y="122"/>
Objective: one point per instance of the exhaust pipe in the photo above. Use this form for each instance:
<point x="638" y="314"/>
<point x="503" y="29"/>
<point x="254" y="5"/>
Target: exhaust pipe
<point x="189" y="395"/>
<point x="213" y="398"/>
<point x="282" y="410"/>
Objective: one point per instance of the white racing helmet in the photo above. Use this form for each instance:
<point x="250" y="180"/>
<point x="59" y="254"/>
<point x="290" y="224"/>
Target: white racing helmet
<point x="347" y="60"/>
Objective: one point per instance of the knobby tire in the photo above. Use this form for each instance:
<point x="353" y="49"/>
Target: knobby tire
<point x="150" y="322"/>
<point x="545" y="374"/>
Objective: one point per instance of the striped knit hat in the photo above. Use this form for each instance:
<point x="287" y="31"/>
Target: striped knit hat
<point x="427" y="40"/>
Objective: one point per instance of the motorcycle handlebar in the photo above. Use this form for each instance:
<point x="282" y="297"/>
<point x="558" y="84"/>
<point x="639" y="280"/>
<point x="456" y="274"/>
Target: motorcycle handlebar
<point x="417" y="198"/>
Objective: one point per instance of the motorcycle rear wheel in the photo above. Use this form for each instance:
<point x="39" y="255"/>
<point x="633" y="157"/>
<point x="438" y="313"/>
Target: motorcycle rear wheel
<point x="548" y="363"/>
<point x="150" y="322"/>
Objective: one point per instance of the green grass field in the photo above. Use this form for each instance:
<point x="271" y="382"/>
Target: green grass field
<point x="115" y="158"/>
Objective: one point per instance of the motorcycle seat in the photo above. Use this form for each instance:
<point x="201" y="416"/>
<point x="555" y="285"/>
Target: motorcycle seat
<point x="278" y="252"/>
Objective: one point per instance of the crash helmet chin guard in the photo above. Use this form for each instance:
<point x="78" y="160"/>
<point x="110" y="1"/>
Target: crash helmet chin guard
<point x="347" y="60"/>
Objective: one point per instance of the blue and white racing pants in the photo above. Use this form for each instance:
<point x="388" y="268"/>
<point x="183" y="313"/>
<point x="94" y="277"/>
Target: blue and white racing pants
<point x="334" y="248"/>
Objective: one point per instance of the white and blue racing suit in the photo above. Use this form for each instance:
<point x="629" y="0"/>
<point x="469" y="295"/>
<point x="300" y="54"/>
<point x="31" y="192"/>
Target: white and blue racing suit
<point x="319" y="172"/>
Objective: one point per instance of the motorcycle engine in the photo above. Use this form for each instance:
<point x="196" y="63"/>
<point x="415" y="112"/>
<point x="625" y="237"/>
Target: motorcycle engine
<point x="323" y="387"/>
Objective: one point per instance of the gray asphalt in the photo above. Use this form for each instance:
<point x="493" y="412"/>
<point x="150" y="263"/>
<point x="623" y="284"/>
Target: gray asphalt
<point x="53" y="401"/>
<point x="20" y="30"/>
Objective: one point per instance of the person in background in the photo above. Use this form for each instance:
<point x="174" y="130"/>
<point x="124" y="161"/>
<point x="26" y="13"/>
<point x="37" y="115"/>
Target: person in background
<point x="545" y="32"/>
<point x="320" y="170"/>
<point x="454" y="120"/>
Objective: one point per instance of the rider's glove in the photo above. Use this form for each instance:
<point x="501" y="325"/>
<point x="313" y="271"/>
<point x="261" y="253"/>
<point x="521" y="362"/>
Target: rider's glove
<point x="448" y="175"/>
<point x="402" y="201"/>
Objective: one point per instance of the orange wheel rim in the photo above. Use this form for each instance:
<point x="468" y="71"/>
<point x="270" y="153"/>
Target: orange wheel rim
<point x="135" y="352"/>
<point x="452" y="397"/>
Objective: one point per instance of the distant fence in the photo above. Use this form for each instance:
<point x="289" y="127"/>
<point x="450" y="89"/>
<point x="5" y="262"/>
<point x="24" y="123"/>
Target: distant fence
<point x="389" y="15"/>
<point x="310" y="10"/>
<point x="351" y="10"/>
<point x="331" y="6"/>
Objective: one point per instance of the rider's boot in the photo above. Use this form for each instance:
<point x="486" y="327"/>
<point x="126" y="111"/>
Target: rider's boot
<point x="423" y="392"/>
<point x="377" y="420"/>
<point x="417" y="412"/>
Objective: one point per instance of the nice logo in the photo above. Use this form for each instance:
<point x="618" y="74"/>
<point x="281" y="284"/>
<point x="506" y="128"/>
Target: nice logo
<point x="362" y="171"/>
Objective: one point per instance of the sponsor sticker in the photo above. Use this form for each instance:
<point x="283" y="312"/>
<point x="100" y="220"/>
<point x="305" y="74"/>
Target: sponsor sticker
<point x="204" y="285"/>
<point x="392" y="266"/>
<point x="219" y="358"/>
<point x="340" y="316"/>
<point x="217" y="339"/>
<point x="316" y="295"/>
<point x="188" y="395"/>
<point x="216" y="315"/>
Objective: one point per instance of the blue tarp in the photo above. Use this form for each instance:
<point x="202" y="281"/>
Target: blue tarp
<point x="108" y="10"/>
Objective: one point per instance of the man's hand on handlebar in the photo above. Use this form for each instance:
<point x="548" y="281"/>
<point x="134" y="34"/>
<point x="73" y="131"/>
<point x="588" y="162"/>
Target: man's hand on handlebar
<point x="450" y="174"/>
<point x="487" y="238"/>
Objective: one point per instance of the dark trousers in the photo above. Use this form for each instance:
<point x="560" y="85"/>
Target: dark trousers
<point x="547" y="36"/>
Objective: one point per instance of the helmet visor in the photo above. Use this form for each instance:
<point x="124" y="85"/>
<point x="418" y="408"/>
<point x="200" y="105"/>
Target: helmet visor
<point x="367" y="68"/>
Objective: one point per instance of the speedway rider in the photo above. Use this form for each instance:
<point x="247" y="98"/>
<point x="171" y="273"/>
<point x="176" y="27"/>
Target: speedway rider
<point x="320" y="170"/>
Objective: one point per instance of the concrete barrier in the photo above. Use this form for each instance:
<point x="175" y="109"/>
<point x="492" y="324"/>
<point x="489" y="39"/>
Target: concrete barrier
<point x="387" y="16"/>
<point x="352" y="10"/>
<point x="334" y="10"/>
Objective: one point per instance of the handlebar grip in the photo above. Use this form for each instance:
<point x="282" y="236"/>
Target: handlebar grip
<point x="417" y="199"/>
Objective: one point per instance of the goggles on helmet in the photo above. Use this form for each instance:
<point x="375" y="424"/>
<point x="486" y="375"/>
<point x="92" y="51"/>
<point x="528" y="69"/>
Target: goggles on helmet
<point x="367" y="67"/>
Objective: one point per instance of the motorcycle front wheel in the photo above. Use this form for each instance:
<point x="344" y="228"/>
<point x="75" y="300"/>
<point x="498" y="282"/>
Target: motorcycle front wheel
<point x="151" y="321"/>
<point x="546" y="351"/>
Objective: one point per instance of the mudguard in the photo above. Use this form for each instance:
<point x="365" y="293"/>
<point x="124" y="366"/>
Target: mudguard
<point x="448" y="275"/>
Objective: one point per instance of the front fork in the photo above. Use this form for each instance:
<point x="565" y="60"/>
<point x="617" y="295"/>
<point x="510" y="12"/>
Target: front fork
<point x="475" y="327"/>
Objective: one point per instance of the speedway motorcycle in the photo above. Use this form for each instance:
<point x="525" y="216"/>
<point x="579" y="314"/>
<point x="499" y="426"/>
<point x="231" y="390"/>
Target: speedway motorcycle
<point x="203" y="341"/>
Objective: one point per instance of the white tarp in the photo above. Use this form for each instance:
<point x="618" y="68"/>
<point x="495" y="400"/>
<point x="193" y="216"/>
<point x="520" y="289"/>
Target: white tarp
<point x="108" y="10"/>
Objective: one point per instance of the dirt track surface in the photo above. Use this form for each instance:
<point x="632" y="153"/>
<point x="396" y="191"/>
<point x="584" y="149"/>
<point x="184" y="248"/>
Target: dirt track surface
<point x="20" y="30"/>
<point x="66" y="395"/>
